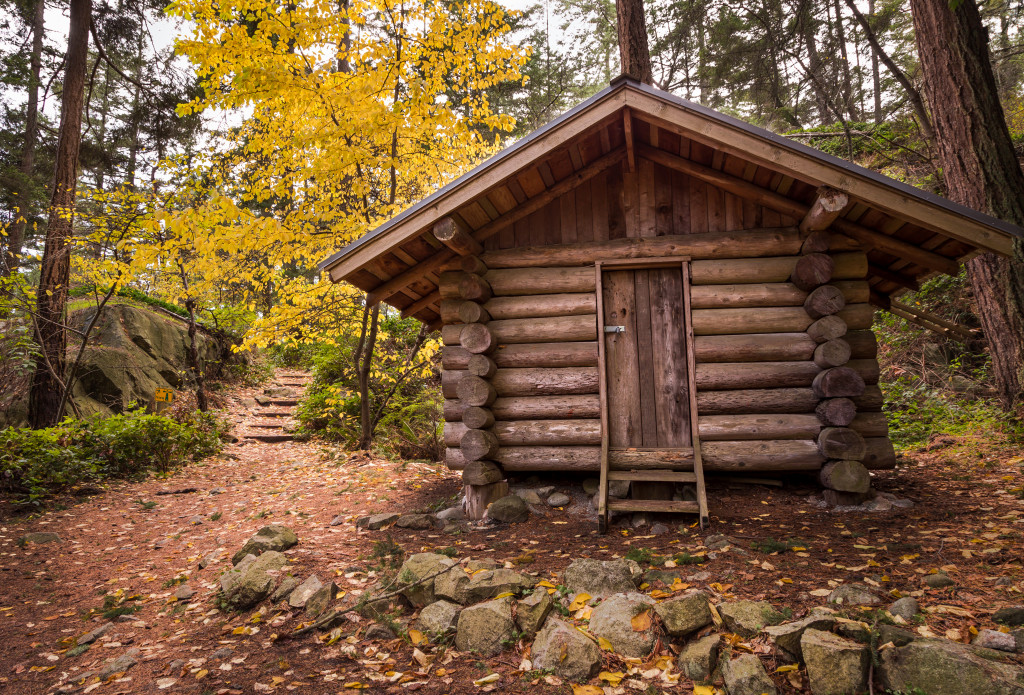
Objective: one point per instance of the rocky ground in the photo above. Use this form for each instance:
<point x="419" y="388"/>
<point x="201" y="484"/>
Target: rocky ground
<point x="170" y="584"/>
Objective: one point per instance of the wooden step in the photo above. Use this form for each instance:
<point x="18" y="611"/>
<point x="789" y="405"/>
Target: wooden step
<point x="654" y="476"/>
<point x="284" y="402"/>
<point x="634" y="458"/>
<point x="274" y="413"/>
<point x="270" y="438"/>
<point x="670" y="506"/>
<point x="267" y="425"/>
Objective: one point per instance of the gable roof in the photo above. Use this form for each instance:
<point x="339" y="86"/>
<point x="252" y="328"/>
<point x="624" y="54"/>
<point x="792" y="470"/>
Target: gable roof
<point x="909" y="233"/>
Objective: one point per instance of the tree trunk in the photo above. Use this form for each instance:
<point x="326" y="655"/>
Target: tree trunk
<point x="979" y="166"/>
<point x="50" y="334"/>
<point x="16" y="232"/>
<point x="633" y="51"/>
<point x="363" y="363"/>
<point x="876" y="78"/>
<point x="192" y="352"/>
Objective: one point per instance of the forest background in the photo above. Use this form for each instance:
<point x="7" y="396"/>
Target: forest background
<point x="214" y="173"/>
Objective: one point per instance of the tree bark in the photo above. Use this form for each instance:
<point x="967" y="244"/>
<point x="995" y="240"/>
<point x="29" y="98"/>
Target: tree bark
<point x="979" y="167"/>
<point x="363" y="360"/>
<point x="634" y="54"/>
<point x="51" y="301"/>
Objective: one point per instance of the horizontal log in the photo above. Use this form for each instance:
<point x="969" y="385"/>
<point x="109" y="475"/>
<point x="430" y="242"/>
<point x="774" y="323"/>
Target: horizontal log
<point x="880" y="454"/>
<point x="476" y="418"/>
<point x="543" y="382"/>
<point x="450" y="310"/>
<point x="535" y="306"/>
<point x="870" y="425"/>
<point x="836" y="412"/>
<point x="550" y="458"/>
<point x="457" y="237"/>
<point x="791" y="400"/>
<point x="533" y="432"/>
<point x="845" y="476"/>
<point x="751" y="320"/>
<point x="450" y="379"/>
<point x="474" y="391"/>
<point x="647" y="459"/>
<point x="827" y="328"/>
<point x="824" y="301"/>
<point x="847" y="266"/>
<point x="482" y="366"/>
<point x="753" y="347"/>
<point x="472" y="264"/>
<point x="768" y="294"/>
<point x="826" y="207"/>
<point x="481" y="473"/>
<point x="838" y="382"/>
<point x="715" y="376"/>
<point x="448" y="284"/>
<point x="779" y="455"/>
<point x="477" y="444"/>
<point x="545" y="329"/>
<point x="832" y="353"/>
<point x="858" y="316"/>
<point x="764" y="426"/>
<point x="472" y="312"/>
<point x="478" y="338"/>
<point x="868" y="369"/>
<point x="547" y="407"/>
<point x="870" y="401"/>
<point x="528" y="355"/>
<point x="451" y="334"/>
<point x="532" y="281"/>
<point x="841" y="443"/>
<point x="812" y="270"/>
<point x="863" y="344"/>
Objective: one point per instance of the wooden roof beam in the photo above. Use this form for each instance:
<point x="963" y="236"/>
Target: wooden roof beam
<point x="395" y="284"/>
<point x="794" y="208"/>
<point x="894" y="277"/>
<point x="455" y="236"/>
<point x="420" y="304"/>
<point x="930" y="321"/>
<point x="827" y="206"/>
<point x="627" y="129"/>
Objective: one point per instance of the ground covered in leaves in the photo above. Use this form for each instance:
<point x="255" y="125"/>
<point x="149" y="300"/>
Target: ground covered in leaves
<point x="124" y="553"/>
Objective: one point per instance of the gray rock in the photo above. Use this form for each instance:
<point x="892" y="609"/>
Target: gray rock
<point x="896" y="635"/>
<point x="320" y="601"/>
<point x="255" y="584"/>
<point x="640" y="520"/>
<point x="942" y="667"/>
<point x="619" y="489"/>
<point x="612" y="619"/>
<point x="509" y="509"/>
<point x="452" y="514"/>
<point x="559" y="499"/>
<point x="482" y="564"/>
<point x="484" y="628"/>
<point x="284" y="589"/>
<point x="40" y="537"/>
<point x="787" y="636"/>
<point x="338" y="520"/>
<point x="599" y="578"/>
<point x="176" y="665"/>
<point x="939" y="580"/>
<point x="659" y="529"/>
<point x="222" y="653"/>
<point x="745" y="675"/>
<point x="218" y="491"/>
<point x="196" y="520"/>
<point x="279" y="392"/>
<point x="591" y="485"/>
<point x="375" y="522"/>
<point x="419" y="567"/>
<point x="93" y="635"/>
<point x="835" y="666"/>
<point x="993" y="639"/>
<point x="1018" y="638"/>
<point x="684" y="615"/>
<point x="1009" y="615"/>
<point x="636" y="572"/>
<point x="566" y="651"/>
<point x="905" y="607"/>
<point x="184" y="592"/>
<point x="529" y="496"/>
<point x="698" y="658"/>
<point x="719" y="542"/>
<point x="439" y="617"/>
<point x="452" y="586"/>
<point x="532" y="610"/>
<point x="416" y="522"/>
<point x="274" y="537"/>
<point x="545" y="490"/>
<point x="120" y="664"/>
<point x="378" y="631"/>
<point x="747" y="618"/>
<point x="854" y="595"/>
<point x="298" y="597"/>
<point x="490" y="583"/>
<point x="210" y="558"/>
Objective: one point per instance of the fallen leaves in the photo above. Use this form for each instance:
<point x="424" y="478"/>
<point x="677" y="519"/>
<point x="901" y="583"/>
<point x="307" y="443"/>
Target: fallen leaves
<point x="488" y="679"/>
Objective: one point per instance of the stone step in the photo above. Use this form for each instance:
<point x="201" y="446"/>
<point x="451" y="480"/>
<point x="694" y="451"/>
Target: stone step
<point x="270" y="438"/>
<point x="284" y="402"/>
<point x="267" y="425"/>
<point x="274" y="413"/>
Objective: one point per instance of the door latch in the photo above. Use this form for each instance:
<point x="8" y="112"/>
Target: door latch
<point x="614" y="329"/>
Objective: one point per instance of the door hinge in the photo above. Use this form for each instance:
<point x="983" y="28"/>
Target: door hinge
<point x="614" y="329"/>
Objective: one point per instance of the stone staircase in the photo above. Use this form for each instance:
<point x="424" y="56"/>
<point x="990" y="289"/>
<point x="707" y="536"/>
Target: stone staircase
<point x="271" y="421"/>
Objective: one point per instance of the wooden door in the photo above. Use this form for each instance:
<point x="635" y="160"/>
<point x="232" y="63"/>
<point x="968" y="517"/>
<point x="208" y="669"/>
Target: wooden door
<point x="645" y="362"/>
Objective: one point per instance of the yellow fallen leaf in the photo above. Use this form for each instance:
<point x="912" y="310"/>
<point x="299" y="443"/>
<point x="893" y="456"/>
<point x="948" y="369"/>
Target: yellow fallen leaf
<point x="704" y="690"/>
<point x="546" y="584"/>
<point x="356" y="685"/>
<point x="715" y="617"/>
<point x="612" y="677"/>
<point x="605" y="645"/>
<point x="492" y="678"/>
<point x="416" y="637"/>
<point x="506" y="594"/>
<point x="202" y="674"/>
<point x="578" y="602"/>
<point x="820" y="592"/>
<point x="641" y="621"/>
<point x="586" y="690"/>
<point x="787" y="668"/>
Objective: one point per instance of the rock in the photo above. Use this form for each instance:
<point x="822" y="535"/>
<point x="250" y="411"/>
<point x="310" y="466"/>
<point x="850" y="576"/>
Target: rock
<point x="529" y="496"/>
<point x="599" y="578"/>
<point x="338" y="520"/>
<point x="284" y="589"/>
<point x="417" y="567"/>
<point x="532" y="610"/>
<point x="40" y="537"/>
<point x="269" y="538"/>
<point x="559" y="499"/>
<point x="416" y="522"/>
<point x="640" y="520"/>
<point x="698" y="658"/>
<point x="229" y="578"/>
<point x="636" y="572"/>
<point x="222" y="653"/>
<point x="484" y="628"/>
<point x="942" y="667"/>
<point x="210" y="559"/>
<point x="262" y="400"/>
<point x="591" y="485"/>
<point x="619" y="489"/>
<point x="375" y="522"/>
<point x="905" y="607"/>
<point x="939" y="580"/>
<point x="278" y="392"/>
<point x="659" y="529"/>
<point x="378" y="631"/>
<point x="452" y="514"/>
<point x="566" y="651"/>
<point x="320" y="601"/>
<point x="719" y="542"/>
<point x="854" y="595"/>
<point x="490" y="583"/>
<point x="664" y="577"/>
<point x="452" y="586"/>
<point x="613" y="620"/>
<point x="196" y="520"/>
<point x="508" y="509"/>
<point x="299" y="596"/>
<point x="482" y="564"/>
<point x="1009" y="615"/>
<point x="439" y="617"/>
<point x="184" y="592"/>
<point x="747" y="618"/>
<point x="745" y="675"/>
<point x="787" y="636"/>
<point x="120" y="664"/>
<point x="1018" y="638"/>
<point x="92" y="636"/>
<point x="835" y="666"/>
<point x="993" y="639"/>
<point x="218" y="491"/>
<point x="255" y="584"/>
<point x="896" y="635"/>
<point x="684" y="615"/>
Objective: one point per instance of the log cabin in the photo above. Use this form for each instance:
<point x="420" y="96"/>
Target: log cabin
<point x="646" y="289"/>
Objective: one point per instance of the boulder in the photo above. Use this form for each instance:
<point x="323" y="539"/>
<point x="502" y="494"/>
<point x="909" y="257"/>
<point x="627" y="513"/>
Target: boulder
<point x="614" y="617"/>
<point x="231" y="576"/>
<point x="418" y="567"/>
<point x="452" y="586"/>
<point x="284" y="589"/>
<point x="905" y="607"/>
<point x="529" y="496"/>
<point x="747" y="618"/>
<point x="939" y="580"/>
<point x="698" y="658"/>
<point x="835" y="666"/>
<point x="120" y="664"/>
<point x="993" y="639"/>
<point x="566" y="651"/>
<point x="320" y="601"/>
<point x="1009" y="615"/>
<point x="787" y="636"/>
<point x="40" y="537"/>
<point x="591" y="485"/>
<point x="452" y="514"/>
<point x="486" y="627"/>
<point x="489" y="583"/>
<point x="93" y="635"/>
<point x="184" y="592"/>
<point x="559" y="499"/>
<point x="415" y="522"/>
<point x="942" y="667"/>
<point x="854" y="595"/>
<point x="532" y="610"/>
<point x="255" y="584"/>
<point x="508" y="509"/>
<point x="599" y="578"/>
<point x="300" y="595"/>
<point x="1018" y="638"/>
<point x="619" y="489"/>
<point x="375" y="522"/>
<point x="745" y="675"/>
<point x="274" y="537"/>
<point x="439" y="617"/>
<point x="685" y="614"/>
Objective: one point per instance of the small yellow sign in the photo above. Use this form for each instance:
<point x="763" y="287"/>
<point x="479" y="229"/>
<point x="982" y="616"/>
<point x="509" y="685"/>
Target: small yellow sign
<point x="164" y="395"/>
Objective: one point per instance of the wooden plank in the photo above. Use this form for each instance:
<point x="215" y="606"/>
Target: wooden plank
<point x="602" y="370"/>
<point x="668" y="344"/>
<point x="660" y="506"/>
<point x="638" y="458"/>
<point x="645" y="358"/>
<point x="567" y="209"/>
<point x="599" y="190"/>
<point x="614" y="196"/>
<point x="621" y="365"/>
<point x="654" y="476"/>
<point x="646" y="193"/>
<point x="691" y="380"/>
<point x="680" y="203"/>
<point x="698" y="205"/>
<point x="584" y="213"/>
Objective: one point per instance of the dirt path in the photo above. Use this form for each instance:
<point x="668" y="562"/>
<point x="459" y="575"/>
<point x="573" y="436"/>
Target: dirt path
<point x="134" y="544"/>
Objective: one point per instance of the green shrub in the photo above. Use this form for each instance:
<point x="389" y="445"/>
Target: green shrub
<point x="38" y="463"/>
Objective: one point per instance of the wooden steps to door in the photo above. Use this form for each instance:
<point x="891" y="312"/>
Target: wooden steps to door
<point x="665" y="506"/>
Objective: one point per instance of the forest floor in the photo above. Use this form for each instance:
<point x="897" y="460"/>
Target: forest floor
<point x="132" y="545"/>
